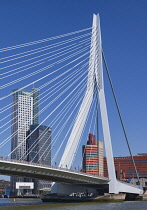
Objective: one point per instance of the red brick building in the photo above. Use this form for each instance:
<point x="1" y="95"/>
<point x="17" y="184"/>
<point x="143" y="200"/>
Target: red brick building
<point x="124" y="167"/>
<point x="93" y="156"/>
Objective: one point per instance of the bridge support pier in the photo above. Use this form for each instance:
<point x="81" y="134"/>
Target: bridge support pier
<point x="67" y="189"/>
<point x="114" y="188"/>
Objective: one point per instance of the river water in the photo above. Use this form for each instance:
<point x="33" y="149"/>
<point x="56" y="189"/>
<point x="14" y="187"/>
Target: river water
<point x="37" y="204"/>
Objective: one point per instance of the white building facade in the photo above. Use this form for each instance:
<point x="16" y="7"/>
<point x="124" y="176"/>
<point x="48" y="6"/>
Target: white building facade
<point x="25" y="109"/>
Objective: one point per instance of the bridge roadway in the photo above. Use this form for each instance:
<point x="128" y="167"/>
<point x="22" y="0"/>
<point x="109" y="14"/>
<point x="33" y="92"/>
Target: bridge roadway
<point x="33" y="170"/>
<point x="26" y="169"/>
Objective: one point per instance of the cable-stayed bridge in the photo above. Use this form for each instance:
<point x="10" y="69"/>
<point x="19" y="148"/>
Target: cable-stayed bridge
<point x="66" y="74"/>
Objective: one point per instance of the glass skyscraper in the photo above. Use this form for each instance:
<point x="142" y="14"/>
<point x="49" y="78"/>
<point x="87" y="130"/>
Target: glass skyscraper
<point x="25" y="109"/>
<point x="39" y="150"/>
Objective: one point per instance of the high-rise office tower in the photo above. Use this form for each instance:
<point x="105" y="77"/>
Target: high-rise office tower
<point x="25" y="109"/>
<point x="93" y="156"/>
<point x="39" y="150"/>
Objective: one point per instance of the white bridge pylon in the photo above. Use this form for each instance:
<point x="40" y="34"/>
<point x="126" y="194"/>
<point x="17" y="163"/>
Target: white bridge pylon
<point x="95" y="78"/>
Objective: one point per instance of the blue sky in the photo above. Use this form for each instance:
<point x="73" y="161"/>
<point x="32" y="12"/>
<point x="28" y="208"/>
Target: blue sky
<point x="124" y="37"/>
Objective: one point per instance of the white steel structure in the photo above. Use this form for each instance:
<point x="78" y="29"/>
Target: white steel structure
<point x="95" y="79"/>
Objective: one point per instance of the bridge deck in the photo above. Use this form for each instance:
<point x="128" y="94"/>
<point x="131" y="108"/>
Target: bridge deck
<point x="61" y="175"/>
<point x="55" y="174"/>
